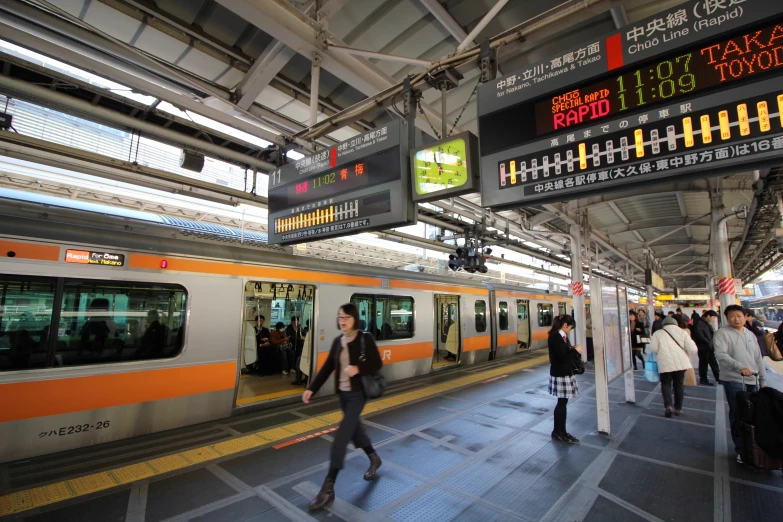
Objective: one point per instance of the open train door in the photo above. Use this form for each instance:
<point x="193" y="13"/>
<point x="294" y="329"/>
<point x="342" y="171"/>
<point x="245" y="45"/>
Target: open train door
<point x="448" y="338"/>
<point x="523" y="324"/>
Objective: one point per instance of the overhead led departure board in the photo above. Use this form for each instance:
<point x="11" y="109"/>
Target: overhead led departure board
<point x="692" y="91"/>
<point x="358" y="185"/>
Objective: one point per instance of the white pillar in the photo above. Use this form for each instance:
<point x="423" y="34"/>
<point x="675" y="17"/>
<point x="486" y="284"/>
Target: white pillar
<point x="315" y="80"/>
<point x="579" y="293"/>
<point x="720" y="245"/>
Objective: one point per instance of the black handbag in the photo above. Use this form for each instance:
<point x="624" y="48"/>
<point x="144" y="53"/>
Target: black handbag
<point x="577" y="364"/>
<point x="374" y="384"/>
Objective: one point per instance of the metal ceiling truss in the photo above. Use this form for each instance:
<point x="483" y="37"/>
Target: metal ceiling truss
<point x="759" y="252"/>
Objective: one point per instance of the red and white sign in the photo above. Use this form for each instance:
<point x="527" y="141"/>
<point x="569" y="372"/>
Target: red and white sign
<point x="578" y="288"/>
<point x="726" y="286"/>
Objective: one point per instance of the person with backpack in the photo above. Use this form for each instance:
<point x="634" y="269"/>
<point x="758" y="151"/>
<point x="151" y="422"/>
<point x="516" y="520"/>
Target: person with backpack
<point x="673" y="348"/>
<point x="739" y="358"/>
<point x="702" y="334"/>
<point x="562" y="383"/>
<point x="353" y="355"/>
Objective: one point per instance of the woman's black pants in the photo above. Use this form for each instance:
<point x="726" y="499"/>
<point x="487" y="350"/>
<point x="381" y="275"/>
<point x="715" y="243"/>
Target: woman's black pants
<point x="560" y="415"/>
<point x="667" y="380"/>
<point x="637" y="352"/>
<point x="350" y="429"/>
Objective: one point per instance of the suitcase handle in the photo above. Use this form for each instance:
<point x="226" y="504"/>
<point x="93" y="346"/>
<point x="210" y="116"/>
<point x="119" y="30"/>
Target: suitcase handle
<point x="756" y="375"/>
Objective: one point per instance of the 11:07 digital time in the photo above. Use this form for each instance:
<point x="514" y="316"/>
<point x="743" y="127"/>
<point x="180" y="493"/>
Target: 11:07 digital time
<point x="665" y="83"/>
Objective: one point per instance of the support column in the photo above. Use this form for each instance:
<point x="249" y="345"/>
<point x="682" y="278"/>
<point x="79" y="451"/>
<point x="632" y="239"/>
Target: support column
<point x="315" y="80"/>
<point x="720" y="245"/>
<point x="650" y="306"/>
<point x="577" y="283"/>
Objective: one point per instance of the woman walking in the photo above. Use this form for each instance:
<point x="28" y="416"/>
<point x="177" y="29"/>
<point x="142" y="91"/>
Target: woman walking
<point x="562" y="383"/>
<point x="673" y="348"/>
<point x="353" y="354"/>
<point x="637" y="332"/>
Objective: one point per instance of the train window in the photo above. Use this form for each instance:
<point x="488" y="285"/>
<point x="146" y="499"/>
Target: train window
<point x="114" y="321"/>
<point x="503" y="315"/>
<point x="544" y="314"/>
<point x="26" y="305"/>
<point x="393" y="315"/>
<point x="480" y="311"/>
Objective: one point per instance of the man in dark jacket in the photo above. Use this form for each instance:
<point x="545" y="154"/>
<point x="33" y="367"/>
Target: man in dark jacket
<point x="658" y="323"/>
<point x="702" y="333"/>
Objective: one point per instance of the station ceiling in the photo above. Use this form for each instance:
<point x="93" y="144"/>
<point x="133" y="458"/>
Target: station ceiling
<point x="248" y="63"/>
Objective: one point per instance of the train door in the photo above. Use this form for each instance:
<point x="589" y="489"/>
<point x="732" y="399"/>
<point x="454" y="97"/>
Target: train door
<point x="523" y="324"/>
<point x="562" y="308"/>
<point x="277" y="341"/>
<point x="447" y="331"/>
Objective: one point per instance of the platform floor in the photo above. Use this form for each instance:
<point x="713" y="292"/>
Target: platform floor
<point x="477" y="452"/>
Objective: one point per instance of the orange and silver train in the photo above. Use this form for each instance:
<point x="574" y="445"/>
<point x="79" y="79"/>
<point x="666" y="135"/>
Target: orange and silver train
<point x="128" y="327"/>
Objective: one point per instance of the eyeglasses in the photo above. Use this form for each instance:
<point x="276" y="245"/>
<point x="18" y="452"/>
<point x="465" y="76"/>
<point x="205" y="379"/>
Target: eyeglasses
<point x="344" y="317"/>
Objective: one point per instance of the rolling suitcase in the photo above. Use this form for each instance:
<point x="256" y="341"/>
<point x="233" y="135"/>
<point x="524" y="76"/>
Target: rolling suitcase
<point x="752" y="454"/>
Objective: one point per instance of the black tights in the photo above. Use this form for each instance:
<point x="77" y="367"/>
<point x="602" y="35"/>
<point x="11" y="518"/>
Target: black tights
<point x="638" y="353"/>
<point x="560" y="415"/>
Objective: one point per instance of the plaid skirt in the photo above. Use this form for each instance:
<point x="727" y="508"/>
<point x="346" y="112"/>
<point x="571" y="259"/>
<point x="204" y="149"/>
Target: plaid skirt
<point x="563" y="387"/>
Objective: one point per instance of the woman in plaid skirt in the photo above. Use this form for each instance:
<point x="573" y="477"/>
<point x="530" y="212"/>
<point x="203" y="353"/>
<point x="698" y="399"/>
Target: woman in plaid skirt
<point x="562" y="383"/>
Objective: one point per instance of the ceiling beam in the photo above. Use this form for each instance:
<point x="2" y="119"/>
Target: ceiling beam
<point x="619" y="212"/>
<point x="293" y="28"/>
<point x="266" y="67"/>
<point x="446" y="20"/>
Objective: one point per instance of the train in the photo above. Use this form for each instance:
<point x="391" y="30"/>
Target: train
<point x="155" y="330"/>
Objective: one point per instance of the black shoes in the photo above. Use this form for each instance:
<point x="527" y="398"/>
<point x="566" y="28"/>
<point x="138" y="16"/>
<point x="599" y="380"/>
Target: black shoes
<point x="668" y="412"/>
<point x="375" y="463"/>
<point x="324" y="496"/>
<point x="564" y="437"/>
<point x="707" y="383"/>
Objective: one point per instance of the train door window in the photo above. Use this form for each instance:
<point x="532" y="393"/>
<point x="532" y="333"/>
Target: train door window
<point x="393" y="315"/>
<point x="480" y="311"/>
<point x="277" y="343"/>
<point x="26" y="305"/>
<point x="447" y="331"/>
<point x="544" y="314"/>
<point x="363" y="303"/>
<point x="562" y="308"/>
<point x="503" y="315"/>
<point x="116" y="321"/>
<point x="523" y="324"/>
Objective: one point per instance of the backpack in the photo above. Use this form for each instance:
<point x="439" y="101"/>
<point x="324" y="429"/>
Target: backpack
<point x="772" y="348"/>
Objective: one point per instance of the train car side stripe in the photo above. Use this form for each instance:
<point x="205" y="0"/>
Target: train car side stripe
<point x="470" y="344"/>
<point x="150" y="262"/>
<point x="395" y="353"/>
<point x="26" y="400"/>
<point x="507" y="339"/>
<point x="540" y="335"/>
<point x="415" y="285"/>
<point x="30" y="250"/>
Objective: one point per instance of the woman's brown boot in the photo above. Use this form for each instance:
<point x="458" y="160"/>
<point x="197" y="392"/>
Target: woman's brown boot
<point x="375" y="463"/>
<point x="324" y="496"/>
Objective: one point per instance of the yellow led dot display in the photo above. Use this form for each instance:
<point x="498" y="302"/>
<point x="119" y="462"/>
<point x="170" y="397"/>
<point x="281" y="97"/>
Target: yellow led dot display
<point x="763" y="110"/>
<point x="723" y="120"/>
<point x="582" y="156"/>
<point x="706" y="129"/>
<point x="513" y="171"/>
<point x="639" y="138"/>
<point x="687" y="131"/>
<point x="742" y="114"/>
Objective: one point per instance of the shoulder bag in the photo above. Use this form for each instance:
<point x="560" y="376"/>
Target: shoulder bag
<point x="374" y="384"/>
<point x="577" y="365"/>
<point x="690" y="375"/>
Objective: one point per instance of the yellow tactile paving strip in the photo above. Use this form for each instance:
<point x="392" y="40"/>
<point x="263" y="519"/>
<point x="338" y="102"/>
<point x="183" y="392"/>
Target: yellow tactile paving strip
<point x="76" y="487"/>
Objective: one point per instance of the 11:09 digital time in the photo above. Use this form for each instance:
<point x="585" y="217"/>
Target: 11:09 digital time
<point x="632" y="91"/>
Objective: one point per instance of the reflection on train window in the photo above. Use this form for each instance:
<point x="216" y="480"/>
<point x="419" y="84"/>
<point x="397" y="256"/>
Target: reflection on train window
<point x="114" y="321"/>
<point x="544" y="314"/>
<point x="562" y="308"/>
<point x="393" y="315"/>
<point x="25" y="319"/>
<point x="481" y="316"/>
<point x="503" y="316"/>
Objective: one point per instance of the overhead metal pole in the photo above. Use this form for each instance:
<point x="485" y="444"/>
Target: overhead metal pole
<point x="442" y="15"/>
<point x="379" y="56"/>
<point x="315" y="79"/>
<point x="11" y="86"/>
<point x="444" y="124"/>
<point x="481" y="25"/>
<point x="669" y="233"/>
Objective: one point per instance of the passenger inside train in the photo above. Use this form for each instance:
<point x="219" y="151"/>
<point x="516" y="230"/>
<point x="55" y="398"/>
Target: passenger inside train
<point x="276" y="363"/>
